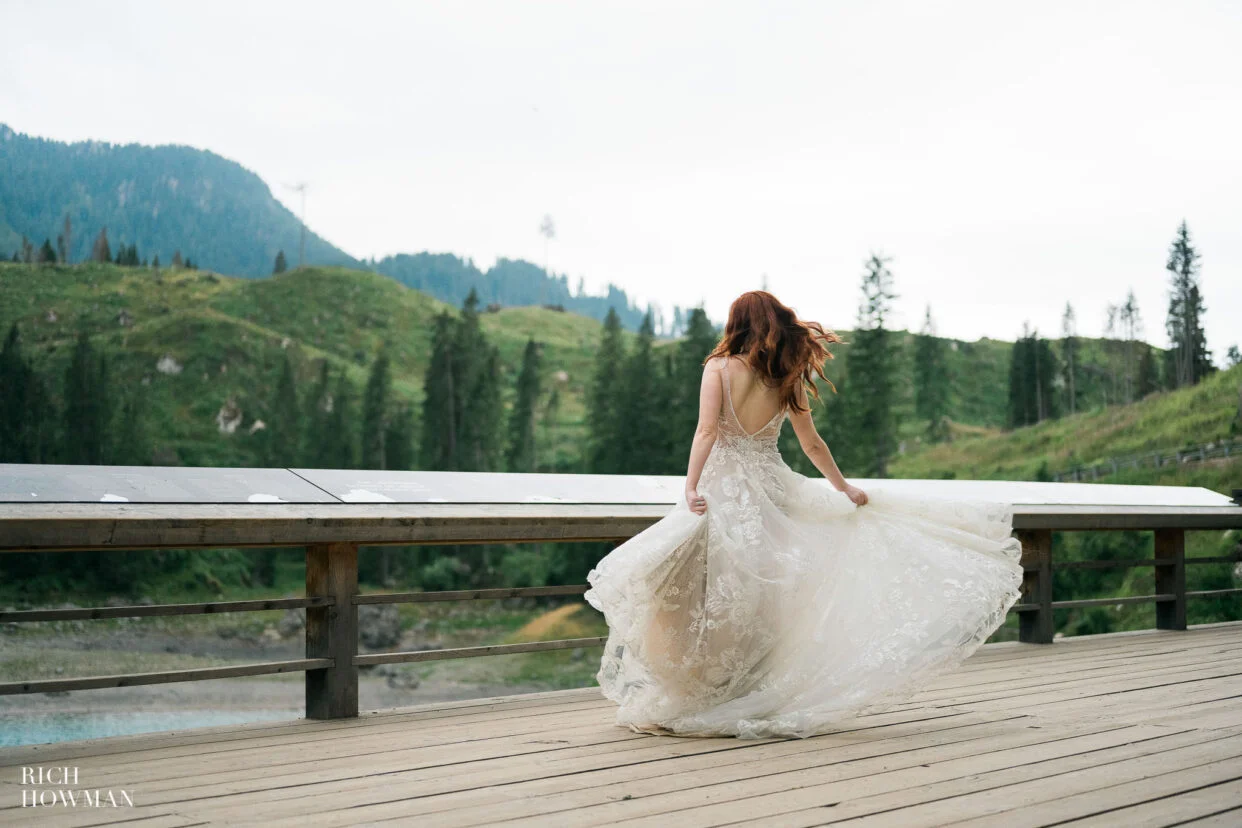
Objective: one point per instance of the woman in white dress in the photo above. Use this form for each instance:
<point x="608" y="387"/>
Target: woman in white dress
<point x="769" y="604"/>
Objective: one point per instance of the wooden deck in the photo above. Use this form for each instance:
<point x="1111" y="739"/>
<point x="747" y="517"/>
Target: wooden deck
<point x="1130" y="729"/>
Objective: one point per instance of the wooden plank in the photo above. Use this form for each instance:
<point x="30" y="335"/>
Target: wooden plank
<point x="1013" y="717"/>
<point x="81" y="526"/>
<point x="468" y="801"/>
<point x="332" y="631"/>
<point x="413" y="656"/>
<point x="261" y="668"/>
<point x="1170" y="545"/>
<point x="956" y="795"/>
<point x="93" y="613"/>
<point x="467" y="594"/>
<point x="691" y="801"/>
<point x="1137" y="781"/>
<point x="1229" y="818"/>
<point x="580" y="763"/>
<point x="1036" y="627"/>
<point x="199" y="741"/>
<point x="1089" y="518"/>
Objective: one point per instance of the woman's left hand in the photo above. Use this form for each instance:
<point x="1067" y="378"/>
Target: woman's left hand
<point x="695" y="501"/>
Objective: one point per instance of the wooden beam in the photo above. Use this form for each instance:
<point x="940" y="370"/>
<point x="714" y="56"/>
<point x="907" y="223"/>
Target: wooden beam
<point x="1108" y="602"/>
<point x="165" y="677"/>
<point x="473" y="652"/>
<point x="466" y="594"/>
<point x="26" y="527"/>
<point x="332" y="631"/>
<point x="93" y="613"/>
<point x="1036" y="626"/>
<point x="1170" y="545"/>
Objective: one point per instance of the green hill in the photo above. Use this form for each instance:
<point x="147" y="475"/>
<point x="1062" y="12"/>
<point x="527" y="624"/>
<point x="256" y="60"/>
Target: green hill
<point x="222" y="216"/>
<point x="197" y="341"/>
<point x="201" y="343"/>
<point x="1163" y="421"/>
<point x="162" y="199"/>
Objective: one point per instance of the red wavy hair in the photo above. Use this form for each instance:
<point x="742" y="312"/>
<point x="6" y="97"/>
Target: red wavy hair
<point x="785" y="351"/>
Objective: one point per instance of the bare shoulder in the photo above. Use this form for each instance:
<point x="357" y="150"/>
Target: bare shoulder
<point x="716" y="363"/>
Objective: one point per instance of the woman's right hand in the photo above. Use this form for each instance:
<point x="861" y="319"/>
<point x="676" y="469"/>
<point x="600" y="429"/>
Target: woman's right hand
<point x="695" y="501"/>
<point x="855" y="494"/>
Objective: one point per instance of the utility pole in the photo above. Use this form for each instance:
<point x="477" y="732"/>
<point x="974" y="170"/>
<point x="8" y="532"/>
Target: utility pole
<point x="300" y="188"/>
<point x="548" y="230"/>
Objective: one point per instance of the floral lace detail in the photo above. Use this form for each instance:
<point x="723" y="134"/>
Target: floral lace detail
<point x="785" y="610"/>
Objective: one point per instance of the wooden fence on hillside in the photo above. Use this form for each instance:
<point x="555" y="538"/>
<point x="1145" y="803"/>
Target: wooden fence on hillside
<point x="1154" y="460"/>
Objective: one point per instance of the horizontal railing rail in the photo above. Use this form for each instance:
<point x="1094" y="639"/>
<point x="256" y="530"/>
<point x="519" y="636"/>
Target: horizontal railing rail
<point x="332" y="534"/>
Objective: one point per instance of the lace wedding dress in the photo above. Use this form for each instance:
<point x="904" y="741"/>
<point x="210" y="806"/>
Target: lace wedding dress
<point x="786" y="609"/>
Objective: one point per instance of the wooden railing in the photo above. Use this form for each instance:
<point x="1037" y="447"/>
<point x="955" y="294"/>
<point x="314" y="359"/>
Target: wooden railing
<point x="331" y="534"/>
<point x="1035" y="621"/>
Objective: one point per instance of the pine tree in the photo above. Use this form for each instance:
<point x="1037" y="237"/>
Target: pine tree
<point x="46" y="254"/>
<point x="284" y="433"/>
<point x="317" y="444"/>
<point x="483" y="415"/>
<point x="281" y="265"/>
<point x="521" y="453"/>
<point x="341" y="449"/>
<point x="1190" y="358"/>
<point x="132" y="444"/>
<point x="551" y="416"/>
<point x="67" y="235"/>
<point x="177" y="261"/>
<point x="88" y="405"/>
<point x="28" y="251"/>
<point x="375" y="411"/>
<point x="155" y="261"/>
<point x="100" y="250"/>
<point x="873" y="363"/>
<point x="1021" y="380"/>
<point x="399" y="441"/>
<point x="62" y="252"/>
<point x="1131" y="327"/>
<point x="25" y="408"/>
<point x="1233" y="357"/>
<point x="1147" y="379"/>
<point x="438" y="443"/>
<point x="931" y="380"/>
<point x="604" y="399"/>
<point x="12" y="403"/>
<point x="687" y="377"/>
<point x="1069" y="355"/>
<point x="639" y="435"/>
<point x="1032" y="370"/>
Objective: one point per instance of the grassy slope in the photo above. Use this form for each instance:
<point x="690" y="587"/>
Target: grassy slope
<point x="1162" y="421"/>
<point x="229" y="335"/>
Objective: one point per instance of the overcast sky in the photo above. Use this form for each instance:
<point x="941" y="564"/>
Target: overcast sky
<point x="1007" y="156"/>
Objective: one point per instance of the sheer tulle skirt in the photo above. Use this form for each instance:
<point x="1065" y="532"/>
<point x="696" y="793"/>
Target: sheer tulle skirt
<point x="785" y="609"/>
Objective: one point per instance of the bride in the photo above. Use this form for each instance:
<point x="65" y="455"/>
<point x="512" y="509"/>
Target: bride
<point x="768" y="604"/>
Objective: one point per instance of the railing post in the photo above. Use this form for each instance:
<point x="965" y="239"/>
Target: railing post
<point x="1171" y="545"/>
<point x="332" y="632"/>
<point x="1035" y="626"/>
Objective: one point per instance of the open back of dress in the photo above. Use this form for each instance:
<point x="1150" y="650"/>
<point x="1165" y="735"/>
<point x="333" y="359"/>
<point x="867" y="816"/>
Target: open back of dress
<point x="785" y="610"/>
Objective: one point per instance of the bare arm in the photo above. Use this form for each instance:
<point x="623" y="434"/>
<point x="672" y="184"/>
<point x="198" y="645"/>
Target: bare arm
<point x="711" y="396"/>
<point x="817" y="451"/>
